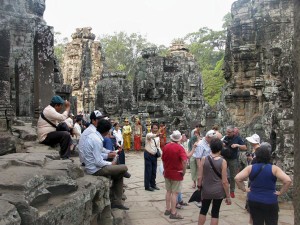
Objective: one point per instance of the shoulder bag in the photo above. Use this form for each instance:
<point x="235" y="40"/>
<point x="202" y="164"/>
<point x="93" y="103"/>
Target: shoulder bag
<point x="60" y="127"/>
<point x="157" y="154"/>
<point x="213" y="167"/>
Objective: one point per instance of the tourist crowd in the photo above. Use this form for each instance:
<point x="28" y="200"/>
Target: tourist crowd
<point x="214" y="160"/>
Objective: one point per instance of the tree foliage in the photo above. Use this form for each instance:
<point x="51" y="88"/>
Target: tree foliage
<point x="122" y="51"/>
<point x="208" y="47"/>
<point x="213" y="82"/>
<point x="59" y="46"/>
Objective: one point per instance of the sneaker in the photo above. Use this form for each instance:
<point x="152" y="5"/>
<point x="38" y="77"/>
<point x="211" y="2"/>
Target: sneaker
<point x="232" y="194"/>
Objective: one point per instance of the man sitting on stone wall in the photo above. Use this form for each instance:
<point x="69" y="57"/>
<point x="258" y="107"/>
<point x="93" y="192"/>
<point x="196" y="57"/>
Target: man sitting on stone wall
<point x="90" y="149"/>
<point x="95" y="117"/>
<point x="47" y="133"/>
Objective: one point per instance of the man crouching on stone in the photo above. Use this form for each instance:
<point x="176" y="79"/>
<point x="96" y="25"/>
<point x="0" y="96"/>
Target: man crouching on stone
<point x="95" y="165"/>
<point x="46" y="129"/>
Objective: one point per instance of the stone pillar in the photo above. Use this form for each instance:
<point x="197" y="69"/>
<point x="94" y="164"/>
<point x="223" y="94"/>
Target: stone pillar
<point x="43" y="69"/>
<point x="5" y="104"/>
<point x="296" y="58"/>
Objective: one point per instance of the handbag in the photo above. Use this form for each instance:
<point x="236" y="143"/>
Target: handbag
<point x="60" y="127"/>
<point x="196" y="196"/>
<point x="157" y="154"/>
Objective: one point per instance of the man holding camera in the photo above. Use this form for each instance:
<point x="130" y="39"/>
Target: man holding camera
<point x="232" y="144"/>
<point x="152" y="147"/>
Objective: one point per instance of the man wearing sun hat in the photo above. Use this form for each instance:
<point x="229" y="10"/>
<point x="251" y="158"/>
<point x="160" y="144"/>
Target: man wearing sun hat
<point x="174" y="160"/>
<point x="46" y="130"/>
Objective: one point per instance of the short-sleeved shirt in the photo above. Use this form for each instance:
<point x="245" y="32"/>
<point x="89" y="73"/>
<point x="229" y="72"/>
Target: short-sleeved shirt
<point x="202" y="149"/>
<point x="172" y="157"/>
<point x="234" y="140"/>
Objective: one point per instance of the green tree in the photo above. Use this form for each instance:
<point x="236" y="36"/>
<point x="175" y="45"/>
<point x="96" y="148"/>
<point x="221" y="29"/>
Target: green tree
<point x="59" y="46"/>
<point x="122" y="51"/>
<point x="213" y="81"/>
<point x="208" y="47"/>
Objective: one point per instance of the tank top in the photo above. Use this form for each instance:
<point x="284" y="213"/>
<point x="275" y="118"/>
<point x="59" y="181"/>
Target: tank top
<point x="212" y="187"/>
<point x="263" y="187"/>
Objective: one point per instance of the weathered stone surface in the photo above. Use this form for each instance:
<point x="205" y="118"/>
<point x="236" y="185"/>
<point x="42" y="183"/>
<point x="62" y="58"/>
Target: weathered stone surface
<point x="9" y="214"/>
<point x="26" y="132"/>
<point x="7" y="143"/>
<point x="82" y="67"/>
<point x="114" y="94"/>
<point x="260" y="85"/>
<point x="47" y="191"/>
<point x="296" y="71"/>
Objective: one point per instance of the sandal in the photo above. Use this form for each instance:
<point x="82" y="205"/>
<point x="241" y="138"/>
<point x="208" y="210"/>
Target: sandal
<point x="167" y="212"/>
<point x="178" y="206"/>
<point x="183" y="203"/>
<point x="176" y="216"/>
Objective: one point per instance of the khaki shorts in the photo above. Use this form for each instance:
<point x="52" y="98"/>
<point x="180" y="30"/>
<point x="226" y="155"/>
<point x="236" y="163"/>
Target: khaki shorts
<point x="173" y="185"/>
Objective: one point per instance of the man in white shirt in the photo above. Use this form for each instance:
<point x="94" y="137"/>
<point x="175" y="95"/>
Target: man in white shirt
<point x="90" y="148"/>
<point x="46" y="131"/>
<point x="152" y="146"/>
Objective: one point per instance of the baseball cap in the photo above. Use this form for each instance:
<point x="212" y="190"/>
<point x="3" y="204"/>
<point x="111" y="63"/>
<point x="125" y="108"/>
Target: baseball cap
<point x="56" y="99"/>
<point x="96" y="115"/>
<point x="254" y="139"/>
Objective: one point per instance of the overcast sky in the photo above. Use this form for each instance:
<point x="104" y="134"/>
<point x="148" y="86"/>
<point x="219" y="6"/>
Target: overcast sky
<point x="159" y="20"/>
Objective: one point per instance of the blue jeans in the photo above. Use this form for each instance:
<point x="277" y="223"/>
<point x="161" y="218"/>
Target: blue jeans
<point x="179" y="197"/>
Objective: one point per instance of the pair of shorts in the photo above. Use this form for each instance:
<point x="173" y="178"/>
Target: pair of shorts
<point x="173" y="185"/>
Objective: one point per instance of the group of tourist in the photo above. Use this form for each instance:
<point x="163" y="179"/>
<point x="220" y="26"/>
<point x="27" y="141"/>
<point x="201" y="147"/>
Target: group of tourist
<point x="101" y="148"/>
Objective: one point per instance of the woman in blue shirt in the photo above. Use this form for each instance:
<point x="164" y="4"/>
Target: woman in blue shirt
<point x="262" y="194"/>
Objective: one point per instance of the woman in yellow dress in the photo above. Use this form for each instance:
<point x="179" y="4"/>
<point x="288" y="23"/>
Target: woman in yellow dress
<point x="127" y="135"/>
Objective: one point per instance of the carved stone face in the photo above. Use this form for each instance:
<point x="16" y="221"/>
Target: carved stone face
<point x="110" y="105"/>
<point x="39" y="7"/>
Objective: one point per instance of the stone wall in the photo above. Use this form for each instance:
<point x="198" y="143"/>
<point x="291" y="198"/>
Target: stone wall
<point x="82" y="67"/>
<point x="259" y="92"/>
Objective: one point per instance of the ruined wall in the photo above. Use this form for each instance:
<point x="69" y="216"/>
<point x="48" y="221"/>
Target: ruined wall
<point x="82" y="67"/>
<point x="259" y="92"/>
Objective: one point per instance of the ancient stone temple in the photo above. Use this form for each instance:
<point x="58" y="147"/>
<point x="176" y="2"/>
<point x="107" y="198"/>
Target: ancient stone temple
<point x="169" y="89"/>
<point x="82" y="67"/>
<point x="260" y="85"/>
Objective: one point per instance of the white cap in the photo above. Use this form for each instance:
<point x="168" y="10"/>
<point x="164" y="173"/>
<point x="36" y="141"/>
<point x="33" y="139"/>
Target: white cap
<point x="254" y="139"/>
<point x="211" y="133"/>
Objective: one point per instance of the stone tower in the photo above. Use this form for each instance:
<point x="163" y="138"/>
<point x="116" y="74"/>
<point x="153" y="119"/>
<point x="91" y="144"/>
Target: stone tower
<point x="260" y="85"/>
<point x="82" y="67"/>
<point x="169" y="88"/>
